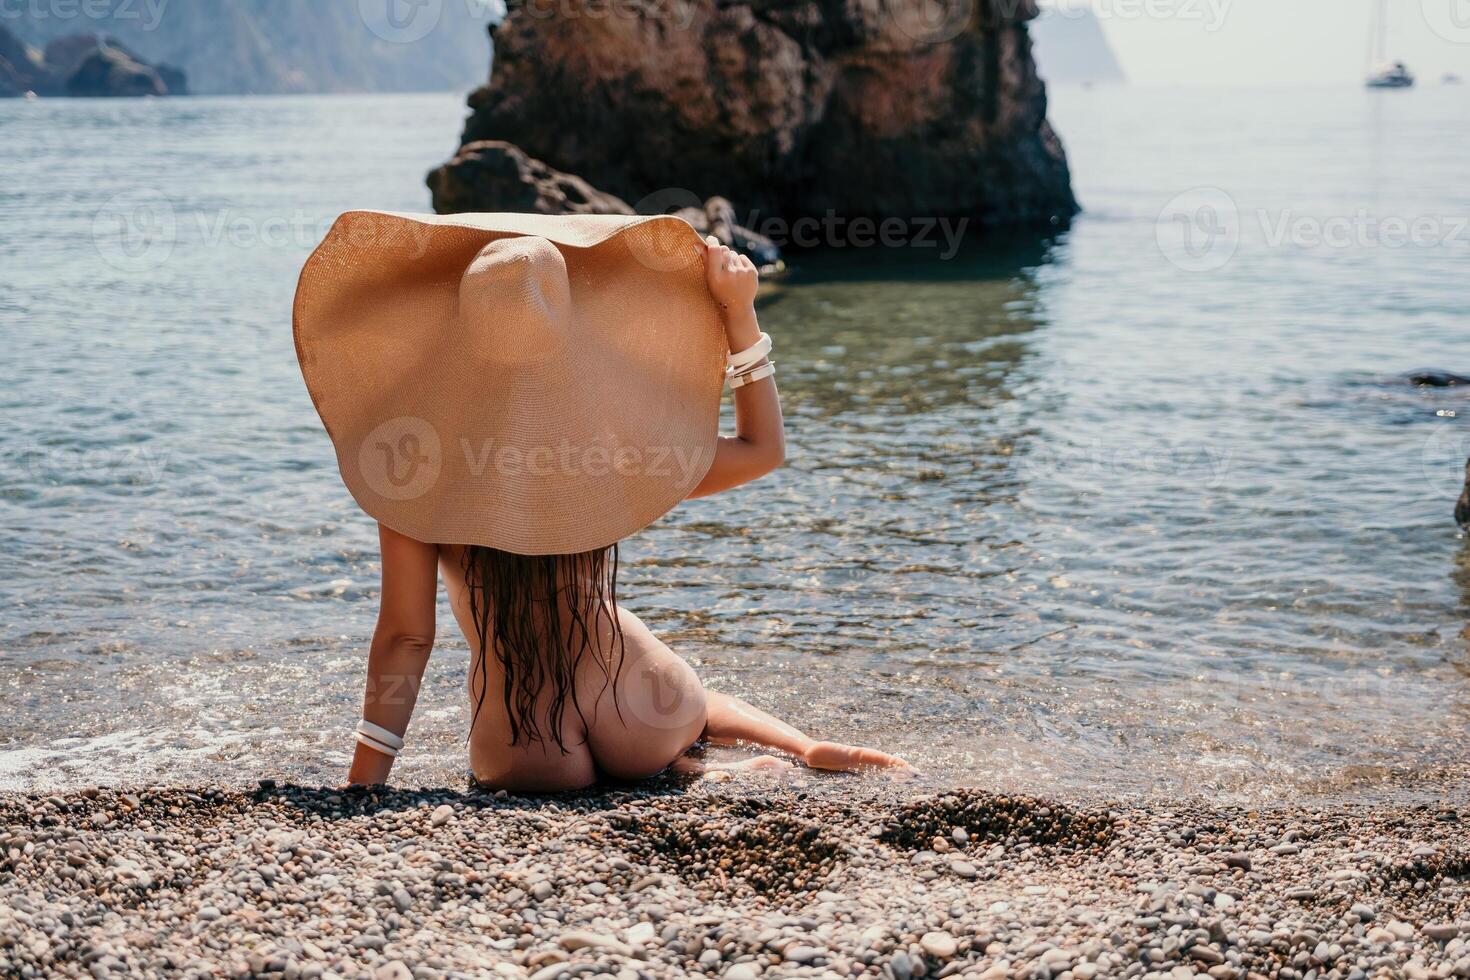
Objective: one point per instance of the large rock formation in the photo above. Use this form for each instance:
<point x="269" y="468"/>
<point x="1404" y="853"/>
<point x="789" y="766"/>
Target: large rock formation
<point x="82" y="65"/>
<point x="790" y="108"/>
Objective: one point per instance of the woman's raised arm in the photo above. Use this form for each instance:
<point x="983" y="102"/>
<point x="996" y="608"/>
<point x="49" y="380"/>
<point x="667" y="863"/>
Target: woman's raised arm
<point x="402" y="641"/>
<point x="759" y="443"/>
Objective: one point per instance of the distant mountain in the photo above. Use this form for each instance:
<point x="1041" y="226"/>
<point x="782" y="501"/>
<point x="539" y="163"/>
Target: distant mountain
<point x="1070" y="47"/>
<point x="273" y="46"/>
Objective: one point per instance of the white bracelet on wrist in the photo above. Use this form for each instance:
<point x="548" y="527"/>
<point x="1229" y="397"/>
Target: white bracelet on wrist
<point x="742" y="361"/>
<point x="752" y="376"/>
<point x="379" y="738"/>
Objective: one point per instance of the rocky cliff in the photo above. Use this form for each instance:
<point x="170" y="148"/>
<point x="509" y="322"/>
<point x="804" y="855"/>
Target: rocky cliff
<point x="791" y="109"/>
<point x="1071" y="47"/>
<point x="282" y="46"/>
<point x="82" y="65"/>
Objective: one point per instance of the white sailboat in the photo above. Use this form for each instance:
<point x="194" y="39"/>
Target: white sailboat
<point x="1387" y="74"/>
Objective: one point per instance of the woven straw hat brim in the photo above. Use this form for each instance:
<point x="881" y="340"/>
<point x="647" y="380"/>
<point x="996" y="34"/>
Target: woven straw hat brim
<point x="516" y="431"/>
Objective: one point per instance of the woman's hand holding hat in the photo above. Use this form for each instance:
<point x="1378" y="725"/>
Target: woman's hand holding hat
<point x="733" y="281"/>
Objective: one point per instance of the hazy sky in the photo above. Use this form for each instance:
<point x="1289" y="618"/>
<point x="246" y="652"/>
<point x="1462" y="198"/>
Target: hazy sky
<point x="1279" y="41"/>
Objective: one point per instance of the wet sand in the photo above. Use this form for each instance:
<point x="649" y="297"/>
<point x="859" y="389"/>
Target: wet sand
<point x="734" y="879"/>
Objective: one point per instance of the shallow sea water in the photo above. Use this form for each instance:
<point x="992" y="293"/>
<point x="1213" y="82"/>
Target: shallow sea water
<point x="1091" y="514"/>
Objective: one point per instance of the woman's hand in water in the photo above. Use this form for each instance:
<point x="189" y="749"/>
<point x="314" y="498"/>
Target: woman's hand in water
<point x="732" y="280"/>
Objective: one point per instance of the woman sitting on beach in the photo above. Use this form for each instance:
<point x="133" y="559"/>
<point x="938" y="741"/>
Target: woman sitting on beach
<point x="509" y="396"/>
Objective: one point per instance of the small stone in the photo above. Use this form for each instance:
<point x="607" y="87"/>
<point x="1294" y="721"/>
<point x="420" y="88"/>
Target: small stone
<point x="901" y="965"/>
<point x="741" y="971"/>
<point x="1365" y="913"/>
<point x="1238" y="860"/>
<point x="959" y="835"/>
<point x="1084" y="971"/>
<point x="963" y="868"/>
<point x="938" y="944"/>
<point x="1380" y="936"/>
<point x="1056" y="958"/>
<point x="581" y="939"/>
<point x="1401" y="930"/>
<point x="1441" y="932"/>
<point x="800" y="953"/>
<point x="393" y="970"/>
<point x="209" y="913"/>
<point x="542" y="890"/>
<point x="1207" y="954"/>
<point x="1224" y="901"/>
<point x="640" y="933"/>
<point x="442" y="815"/>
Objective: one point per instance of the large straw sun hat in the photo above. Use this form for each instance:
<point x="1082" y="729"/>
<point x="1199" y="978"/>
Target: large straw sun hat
<point x="538" y="384"/>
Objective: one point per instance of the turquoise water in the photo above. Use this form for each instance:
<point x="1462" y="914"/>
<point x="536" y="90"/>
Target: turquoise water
<point x="1144" y="507"/>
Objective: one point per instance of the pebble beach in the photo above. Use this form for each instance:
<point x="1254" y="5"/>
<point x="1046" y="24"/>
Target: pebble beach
<point x="734" y="879"/>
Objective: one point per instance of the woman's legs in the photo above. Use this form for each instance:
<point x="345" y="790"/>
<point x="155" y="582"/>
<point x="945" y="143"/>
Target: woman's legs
<point x="661" y="709"/>
<point x="731" y="720"/>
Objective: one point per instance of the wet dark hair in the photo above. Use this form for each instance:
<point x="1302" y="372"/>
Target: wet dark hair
<point x="539" y="615"/>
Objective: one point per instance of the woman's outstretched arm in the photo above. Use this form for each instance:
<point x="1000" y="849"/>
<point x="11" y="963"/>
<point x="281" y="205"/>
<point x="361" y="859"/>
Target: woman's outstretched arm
<point x="402" y="641"/>
<point x="759" y="443"/>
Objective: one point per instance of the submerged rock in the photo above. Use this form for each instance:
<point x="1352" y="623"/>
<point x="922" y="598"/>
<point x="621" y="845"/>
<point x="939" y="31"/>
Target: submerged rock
<point x="791" y="109"/>
<point x="1436" y="379"/>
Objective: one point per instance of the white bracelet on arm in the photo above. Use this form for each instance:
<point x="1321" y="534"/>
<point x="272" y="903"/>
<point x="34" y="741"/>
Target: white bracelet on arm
<point x="750" y="377"/>
<point x="379" y="738"/>
<point x="743" y="361"/>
